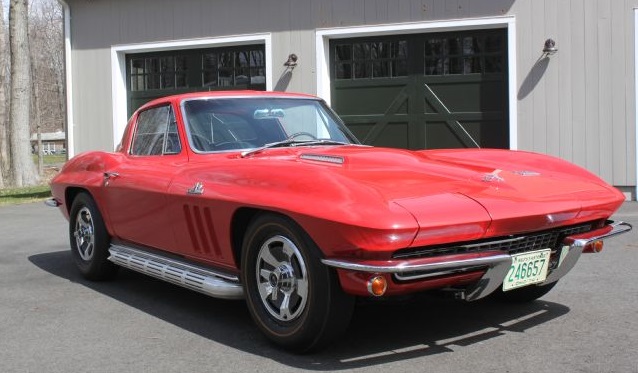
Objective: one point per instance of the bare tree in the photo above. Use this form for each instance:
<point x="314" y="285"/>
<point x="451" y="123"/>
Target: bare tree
<point x="22" y="169"/>
<point x="4" y="146"/>
<point x="46" y="39"/>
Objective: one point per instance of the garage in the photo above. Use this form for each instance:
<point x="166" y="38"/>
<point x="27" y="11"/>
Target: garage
<point x="157" y="74"/>
<point x="424" y="91"/>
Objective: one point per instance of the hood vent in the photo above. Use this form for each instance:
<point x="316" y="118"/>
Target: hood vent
<point x="323" y="158"/>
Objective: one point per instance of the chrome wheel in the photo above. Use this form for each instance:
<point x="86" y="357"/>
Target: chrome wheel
<point x="295" y="300"/>
<point x="84" y="234"/>
<point x="282" y="278"/>
<point x="89" y="239"/>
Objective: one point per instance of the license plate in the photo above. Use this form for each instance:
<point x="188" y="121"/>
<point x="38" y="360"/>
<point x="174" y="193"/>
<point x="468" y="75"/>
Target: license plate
<point x="527" y="268"/>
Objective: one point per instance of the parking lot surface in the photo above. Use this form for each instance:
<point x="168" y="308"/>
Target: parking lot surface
<point x="51" y="320"/>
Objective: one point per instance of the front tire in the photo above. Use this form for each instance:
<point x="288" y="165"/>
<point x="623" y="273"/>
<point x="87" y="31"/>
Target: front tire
<point x="89" y="240"/>
<point x="294" y="299"/>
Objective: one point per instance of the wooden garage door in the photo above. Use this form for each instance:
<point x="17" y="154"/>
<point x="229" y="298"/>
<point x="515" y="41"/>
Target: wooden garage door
<point x="157" y="74"/>
<point x="424" y="91"/>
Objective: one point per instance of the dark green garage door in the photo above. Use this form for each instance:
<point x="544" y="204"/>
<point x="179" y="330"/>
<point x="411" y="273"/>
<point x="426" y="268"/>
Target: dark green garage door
<point x="424" y="91"/>
<point x="157" y="74"/>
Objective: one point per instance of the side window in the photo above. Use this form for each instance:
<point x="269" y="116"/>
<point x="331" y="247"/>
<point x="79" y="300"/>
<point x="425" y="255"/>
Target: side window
<point x="156" y="133"/>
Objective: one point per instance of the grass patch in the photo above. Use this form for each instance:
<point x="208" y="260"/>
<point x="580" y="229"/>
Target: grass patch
<point x="11" y="196"/>
<point x="53" y="159"/>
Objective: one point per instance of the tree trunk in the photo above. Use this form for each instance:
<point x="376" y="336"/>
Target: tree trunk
<point x="4" y="146"/>
<point x="38" y="123"/>
<point x="22" y="170"/>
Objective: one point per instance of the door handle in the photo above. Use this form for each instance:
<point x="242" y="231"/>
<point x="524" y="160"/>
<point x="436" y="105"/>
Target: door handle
<point x="108" y="176"/>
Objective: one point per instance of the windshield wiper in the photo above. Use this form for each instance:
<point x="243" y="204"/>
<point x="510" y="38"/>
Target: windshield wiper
<point x="292" y="142"/>
<point x="277" y="144"/>
<point x="322" y="142"/>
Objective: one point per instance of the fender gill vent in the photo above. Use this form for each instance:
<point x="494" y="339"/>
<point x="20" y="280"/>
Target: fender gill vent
<point x="323" y="158"/>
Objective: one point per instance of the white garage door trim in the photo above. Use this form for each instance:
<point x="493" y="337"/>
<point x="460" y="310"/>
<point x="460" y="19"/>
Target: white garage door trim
<point x="118" y="66"/>
<point x="636" y="95"/>
<point x="323" y="37"/>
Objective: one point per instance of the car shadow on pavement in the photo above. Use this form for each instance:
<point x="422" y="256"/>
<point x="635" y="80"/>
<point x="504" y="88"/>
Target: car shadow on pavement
<point x="380" y="332"/>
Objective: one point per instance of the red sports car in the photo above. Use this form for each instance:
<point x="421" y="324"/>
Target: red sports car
<point x="268" y="197"/>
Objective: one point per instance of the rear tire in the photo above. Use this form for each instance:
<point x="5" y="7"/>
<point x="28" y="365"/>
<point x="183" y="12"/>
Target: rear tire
<point x="89" y="240"/>
<point x="295" y="300"/>
<point x="524" y="294"/>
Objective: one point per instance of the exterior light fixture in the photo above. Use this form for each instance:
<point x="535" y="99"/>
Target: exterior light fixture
<point x="292" y="61"/>
<point x="550" y="48"/>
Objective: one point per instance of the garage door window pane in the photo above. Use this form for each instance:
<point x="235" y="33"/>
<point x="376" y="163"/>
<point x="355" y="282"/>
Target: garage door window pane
<point x="361" y="51"/>
<point x="209" y="61"/>
<point x="343" y="52"/>
<point x="369" y="60"/>
<point x="454" y="65"/>
<point x="380" y="50"/>
<point x="343" y="71"/>
<point x="152" y="81"/>
<point x="137" y="75"/>
<point x="471" y="46"/>
<point x="180" y="80"/>
<point x="167" y="79"/>
<point x="434" y="66"/>
<point x="209" y="70"/>
<point x="137" y="66"/>
<point x="381" y="69"/>
<point x="494" y="64"/>
<point x="472" y="65"/>
<point x="399" y="50"/>
<point x="433" y="48"/>
<point x="361" y="70"/>
<point x="258" y="75"/>
<point x="453" y="46"/>
<point x="475" y="54"/>
<point x="493" y="43"/>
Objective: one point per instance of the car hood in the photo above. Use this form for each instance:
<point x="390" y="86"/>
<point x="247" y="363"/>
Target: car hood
<point x="458" y="194"/>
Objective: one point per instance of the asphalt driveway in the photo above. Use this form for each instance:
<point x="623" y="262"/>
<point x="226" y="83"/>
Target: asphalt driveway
<point x="51" y="320"/>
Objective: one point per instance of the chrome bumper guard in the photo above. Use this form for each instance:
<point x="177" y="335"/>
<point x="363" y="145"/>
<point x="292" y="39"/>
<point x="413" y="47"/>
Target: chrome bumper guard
<point x="496" y="264"/>
<point x="52" y="202"/>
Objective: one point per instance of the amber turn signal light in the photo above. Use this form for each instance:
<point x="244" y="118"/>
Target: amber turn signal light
<point x="597" y="246"/>
<point x="377" y="286"/>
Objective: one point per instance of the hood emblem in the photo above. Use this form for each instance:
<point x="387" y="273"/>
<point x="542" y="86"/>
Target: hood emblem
<point x="527" y="173"/>
<point x="492" y="177"/>
<point x="197" y="189"/>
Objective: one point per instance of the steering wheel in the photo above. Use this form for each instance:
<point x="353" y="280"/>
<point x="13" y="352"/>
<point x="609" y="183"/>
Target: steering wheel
<point x="201" y="143"/>
<point x="302" y="133"/>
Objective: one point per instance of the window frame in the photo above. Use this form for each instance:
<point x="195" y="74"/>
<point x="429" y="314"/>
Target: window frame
<point x="171" y="121"/>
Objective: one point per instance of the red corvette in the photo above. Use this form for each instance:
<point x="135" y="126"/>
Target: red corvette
<point x="268" y="197"/>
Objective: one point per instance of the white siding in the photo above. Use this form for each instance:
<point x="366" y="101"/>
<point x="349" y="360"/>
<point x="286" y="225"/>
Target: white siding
<point x="582" y="107"/>
<point x="578" y="105"/>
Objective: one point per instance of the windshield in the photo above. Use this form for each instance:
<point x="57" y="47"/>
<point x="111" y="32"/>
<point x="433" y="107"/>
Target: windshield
<point x="221" y="124"/>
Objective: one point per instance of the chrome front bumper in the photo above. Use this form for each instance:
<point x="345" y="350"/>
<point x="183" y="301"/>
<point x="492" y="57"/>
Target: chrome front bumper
<point x="52" y="202"/>
<point x="495" y="263"/>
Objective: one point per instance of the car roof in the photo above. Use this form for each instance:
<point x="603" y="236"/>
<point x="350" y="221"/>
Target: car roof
<point x="225" y="94"/>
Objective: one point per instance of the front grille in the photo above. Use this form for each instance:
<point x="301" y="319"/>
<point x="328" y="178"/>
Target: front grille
<point x="515" y="244"/>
